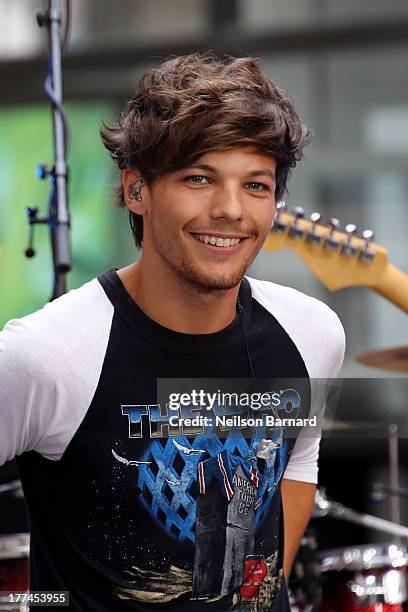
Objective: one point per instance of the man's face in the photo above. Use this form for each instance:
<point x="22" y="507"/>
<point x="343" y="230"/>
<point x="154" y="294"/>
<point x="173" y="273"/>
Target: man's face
<point x="206" y="223"/>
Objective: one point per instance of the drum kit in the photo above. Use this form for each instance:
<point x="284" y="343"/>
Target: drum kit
<point x="366" y="578"/>
<point x="14" y="557"/>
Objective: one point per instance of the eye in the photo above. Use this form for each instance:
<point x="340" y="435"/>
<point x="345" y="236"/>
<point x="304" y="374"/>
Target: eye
<point x="258" y="186"/>
<point x="196" y="179"/>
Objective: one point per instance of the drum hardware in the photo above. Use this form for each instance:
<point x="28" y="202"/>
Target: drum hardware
<point x="332" y="424"/>
<point x="367" y="578"/>
<point x="393" y="465"/>
<point x="295" y="606"/>
<point x="328" y="507"/>
<point x="13" y="487"/>
<point x="353" y="579"/>
<point x="14" y="555"/>
<point x="380" y="492"/>
<point x="364" y="578"/>
<point x="393" y="359"/>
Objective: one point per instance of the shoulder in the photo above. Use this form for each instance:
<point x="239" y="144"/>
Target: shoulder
<point x="297" y="305"/>
<point x="50" y="363"/>
<point x="312" y="325"/>
<point x="55" y="328"/>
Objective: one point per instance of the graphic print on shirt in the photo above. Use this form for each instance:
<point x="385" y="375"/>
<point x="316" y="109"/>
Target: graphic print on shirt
<point x="213" y="492"/>
<point x="109" y="528"/>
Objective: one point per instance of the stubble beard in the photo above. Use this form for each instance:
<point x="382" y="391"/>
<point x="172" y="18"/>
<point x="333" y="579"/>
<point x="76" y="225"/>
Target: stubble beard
<point x="194" y="276"/>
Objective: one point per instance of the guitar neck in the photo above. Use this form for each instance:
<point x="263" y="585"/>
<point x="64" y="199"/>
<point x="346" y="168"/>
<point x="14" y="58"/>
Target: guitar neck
<point x="393" y="285"/>
<point x="339" y="259"/>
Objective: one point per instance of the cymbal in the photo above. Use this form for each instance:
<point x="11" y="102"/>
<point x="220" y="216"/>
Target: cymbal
<point x="394" y="359"/>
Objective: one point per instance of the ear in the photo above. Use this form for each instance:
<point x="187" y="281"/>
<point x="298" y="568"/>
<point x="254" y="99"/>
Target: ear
<point x="128" y="177"/>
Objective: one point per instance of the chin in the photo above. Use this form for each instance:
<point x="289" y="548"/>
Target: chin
<point x="219" y="281"/>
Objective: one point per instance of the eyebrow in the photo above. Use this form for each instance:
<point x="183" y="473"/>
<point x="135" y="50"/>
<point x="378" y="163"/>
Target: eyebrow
<point x="252" y="174"/>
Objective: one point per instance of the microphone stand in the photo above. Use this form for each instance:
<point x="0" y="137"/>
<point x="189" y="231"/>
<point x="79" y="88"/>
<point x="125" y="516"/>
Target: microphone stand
<point x="380" y="491"/>
<point x="58" y="218"/>
<point x="393" y="467"/>
<point x="328" y="507"/>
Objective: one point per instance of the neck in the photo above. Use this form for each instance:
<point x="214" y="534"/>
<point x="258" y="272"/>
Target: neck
<point x="175" y="304"/>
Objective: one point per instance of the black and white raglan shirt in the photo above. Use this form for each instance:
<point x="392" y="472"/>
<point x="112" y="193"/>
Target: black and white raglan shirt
<point x="126" y="510"/>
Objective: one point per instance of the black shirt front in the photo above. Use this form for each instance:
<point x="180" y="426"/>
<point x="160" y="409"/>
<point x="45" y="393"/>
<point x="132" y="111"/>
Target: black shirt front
<point x="136" y="513"/>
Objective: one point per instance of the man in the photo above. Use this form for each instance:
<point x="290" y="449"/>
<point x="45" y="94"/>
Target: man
<point x="129" y="507"/>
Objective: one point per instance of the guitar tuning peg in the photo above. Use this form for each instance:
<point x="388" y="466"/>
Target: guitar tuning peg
<point x="296" y="231"/>
<point x="365" y="254"/>
<point x="350" y="229"/>
<point x="314" y="237"/>
<point x="348" y="249"/>
<point x="278" y="225"/>
<point x="331" y="243"/>
<point x="368" y="236"/>
<point x="299" y="212"/>
<point x="334" y="224"/>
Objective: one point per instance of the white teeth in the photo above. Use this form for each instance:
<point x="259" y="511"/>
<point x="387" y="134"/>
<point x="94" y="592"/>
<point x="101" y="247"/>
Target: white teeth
<point x="216" y="240"/>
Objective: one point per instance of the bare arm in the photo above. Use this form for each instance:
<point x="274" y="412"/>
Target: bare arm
<point x="297" y="500"/>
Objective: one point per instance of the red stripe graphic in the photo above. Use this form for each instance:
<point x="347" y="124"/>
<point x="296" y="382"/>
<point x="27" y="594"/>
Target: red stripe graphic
<point x="227" y="485"/>
<point x="254" y="477"/>
<point x="201" y="478"/>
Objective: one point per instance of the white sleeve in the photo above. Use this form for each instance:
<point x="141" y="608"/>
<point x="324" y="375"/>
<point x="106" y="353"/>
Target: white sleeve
<point x="319" y="337"/>
<point x="24" y="392"/>
<point x="303" y="462"/>
<point x="50" y="363"/>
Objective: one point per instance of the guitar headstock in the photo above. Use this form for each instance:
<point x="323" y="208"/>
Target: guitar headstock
<point x="338" y="258"/>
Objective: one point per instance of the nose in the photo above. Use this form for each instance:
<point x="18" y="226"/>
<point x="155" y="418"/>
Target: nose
<point x="227" y="203"/>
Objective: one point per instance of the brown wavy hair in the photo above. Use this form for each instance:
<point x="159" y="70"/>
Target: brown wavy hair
<point x="194" y="104"/>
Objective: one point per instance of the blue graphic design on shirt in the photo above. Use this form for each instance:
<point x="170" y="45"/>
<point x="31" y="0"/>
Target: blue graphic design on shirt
<point x="169" y="483"/>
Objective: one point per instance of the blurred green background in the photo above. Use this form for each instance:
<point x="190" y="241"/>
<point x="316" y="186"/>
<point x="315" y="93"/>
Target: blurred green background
<point x="101" y="237"/>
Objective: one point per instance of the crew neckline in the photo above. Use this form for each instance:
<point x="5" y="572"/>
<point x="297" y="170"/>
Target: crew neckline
<point x="168" y="338"/>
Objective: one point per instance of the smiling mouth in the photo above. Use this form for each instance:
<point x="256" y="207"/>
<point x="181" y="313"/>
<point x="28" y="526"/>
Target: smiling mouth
<point x="218" y="241"/>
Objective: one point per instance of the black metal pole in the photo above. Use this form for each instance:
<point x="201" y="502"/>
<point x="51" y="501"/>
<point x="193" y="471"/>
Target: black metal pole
<point x="58" y="212"/>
